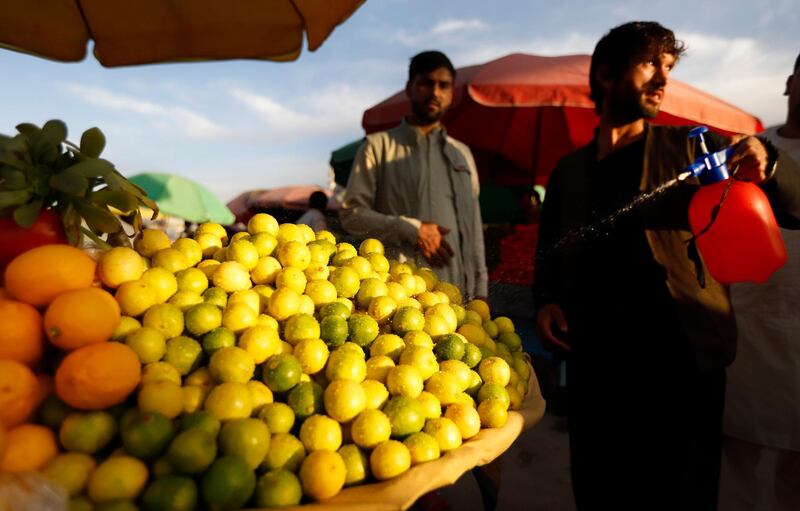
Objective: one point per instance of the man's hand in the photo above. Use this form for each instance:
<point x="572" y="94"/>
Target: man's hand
<point x="549" y="316"/>
<point x="433" y="246"/>
<point x="752" y="159"/>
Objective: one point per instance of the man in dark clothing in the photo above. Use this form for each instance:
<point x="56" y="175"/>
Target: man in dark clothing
<point x="646" y="343"/>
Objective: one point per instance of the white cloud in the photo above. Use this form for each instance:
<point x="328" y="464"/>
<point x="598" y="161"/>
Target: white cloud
<point x="442" y="32"/>
<point x="185" y="122"/>
<point x="739" y="70"/>
<point x="483" y="50"/>
<point x="455" y="25"/>
<point x="332" y="110"/>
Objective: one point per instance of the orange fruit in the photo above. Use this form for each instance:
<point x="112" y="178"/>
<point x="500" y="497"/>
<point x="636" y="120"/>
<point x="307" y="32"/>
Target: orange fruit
<point x="21" y="337"/>
<point x="40" y="274"/>
<point x="30" y="447"/>
<point x="19" y="391"/>
<point x="97" y="376"/>
<point x="80" y="317"/>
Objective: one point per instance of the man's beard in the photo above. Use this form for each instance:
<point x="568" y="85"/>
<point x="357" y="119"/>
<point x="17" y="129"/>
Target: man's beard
<point x="629" y="105"/>
<point x="421" y="112"/>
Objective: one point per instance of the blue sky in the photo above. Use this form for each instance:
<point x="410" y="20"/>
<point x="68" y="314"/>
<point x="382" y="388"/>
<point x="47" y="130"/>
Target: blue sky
<point x="240" y="125"/>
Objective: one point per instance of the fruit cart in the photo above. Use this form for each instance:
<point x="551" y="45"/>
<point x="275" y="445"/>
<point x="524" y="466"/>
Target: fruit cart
<point x="401" y="492"/>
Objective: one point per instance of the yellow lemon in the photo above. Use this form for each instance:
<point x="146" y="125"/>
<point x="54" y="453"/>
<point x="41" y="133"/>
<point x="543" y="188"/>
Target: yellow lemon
<point x="232" y="276"/>
<point x="262" y="222"/>
<point x="118" y="265"/>
<point x="150" y="241"/>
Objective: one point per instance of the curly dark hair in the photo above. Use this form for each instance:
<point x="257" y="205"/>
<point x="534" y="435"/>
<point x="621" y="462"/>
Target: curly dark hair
<point x="627" y="45"/>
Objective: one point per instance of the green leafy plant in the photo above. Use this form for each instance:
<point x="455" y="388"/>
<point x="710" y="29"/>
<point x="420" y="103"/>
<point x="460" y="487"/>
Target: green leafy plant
<point x="40" y="169"/>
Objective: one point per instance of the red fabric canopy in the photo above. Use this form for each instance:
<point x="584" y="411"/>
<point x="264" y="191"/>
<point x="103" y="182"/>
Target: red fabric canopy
<point x="521" y="113"/>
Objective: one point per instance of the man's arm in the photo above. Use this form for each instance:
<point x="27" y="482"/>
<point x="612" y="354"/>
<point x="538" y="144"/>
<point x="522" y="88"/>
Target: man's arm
<point x="358" y="215"/>
<point x="551" y="325"/>
<point x="783" y="191"/>
<point x="478" y="248"/>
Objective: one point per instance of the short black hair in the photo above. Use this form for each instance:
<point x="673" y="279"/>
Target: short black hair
<point x="797" y="64"/>
<point x="318" y="200"/>
<point x="428" y="61"/>
<point x="629" y="44"/>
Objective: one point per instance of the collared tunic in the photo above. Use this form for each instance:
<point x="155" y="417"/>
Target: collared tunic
<point x="762" y="401"/>
<point x="401" y="178"/>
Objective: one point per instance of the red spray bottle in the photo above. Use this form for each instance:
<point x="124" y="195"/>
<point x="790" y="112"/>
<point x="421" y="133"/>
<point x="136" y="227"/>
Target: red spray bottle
<point x="732" y="221"/>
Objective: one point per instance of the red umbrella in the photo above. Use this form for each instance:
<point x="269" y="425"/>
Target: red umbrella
<point x="521" y="113"/>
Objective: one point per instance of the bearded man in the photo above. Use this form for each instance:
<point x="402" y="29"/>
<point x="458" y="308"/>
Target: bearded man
<point x="645" y="330"/>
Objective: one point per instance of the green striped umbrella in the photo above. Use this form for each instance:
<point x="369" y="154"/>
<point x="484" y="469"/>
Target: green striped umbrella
<point x="183" y="198"/>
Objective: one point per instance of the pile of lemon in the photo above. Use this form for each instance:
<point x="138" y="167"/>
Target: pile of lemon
<point x="270" y="368"/>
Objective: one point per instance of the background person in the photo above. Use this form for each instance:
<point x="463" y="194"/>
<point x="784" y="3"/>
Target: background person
<point x="761" y="447"/>
<point x="416" y="189"/>
<point x="315" y="216"/>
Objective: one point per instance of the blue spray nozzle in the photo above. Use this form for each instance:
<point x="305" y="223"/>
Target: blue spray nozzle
<point x="709" y="168"/>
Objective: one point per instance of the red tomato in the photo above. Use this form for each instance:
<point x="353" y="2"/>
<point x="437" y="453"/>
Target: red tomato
<point x="14" y="240"/>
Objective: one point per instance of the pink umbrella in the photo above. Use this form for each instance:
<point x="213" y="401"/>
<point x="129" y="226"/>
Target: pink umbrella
<point x="294" y="198"/>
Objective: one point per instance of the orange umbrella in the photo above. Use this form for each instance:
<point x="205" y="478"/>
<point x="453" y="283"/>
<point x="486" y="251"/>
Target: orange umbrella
<point x="521" y="113"/>
<point x="148" y="31"/>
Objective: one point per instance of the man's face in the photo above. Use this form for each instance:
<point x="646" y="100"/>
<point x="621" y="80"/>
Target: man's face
<point x="431" y="95"/>
<point x="640" y="90"/>
<point x="793" y="91"/>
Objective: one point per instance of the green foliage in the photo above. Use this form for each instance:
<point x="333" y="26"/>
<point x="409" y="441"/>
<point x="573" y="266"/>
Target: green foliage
<point x="41" y="169"/>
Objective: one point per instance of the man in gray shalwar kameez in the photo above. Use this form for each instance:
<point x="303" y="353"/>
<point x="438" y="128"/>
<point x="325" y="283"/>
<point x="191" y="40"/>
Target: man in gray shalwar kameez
<point x="416" y="189"/>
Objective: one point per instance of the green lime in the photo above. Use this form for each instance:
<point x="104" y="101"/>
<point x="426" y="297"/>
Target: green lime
<point x="71" y="470"/>
<point x="126" y="325"/>
<point x="230" y="400"/>
<point x="334" y="330"/>
<point x="170" y="493"/>
<point x="184" y="353"/>
<point x="216" y="296"/>
<point x="201" y="419"/>
<point x="118" y="478"/>
<point x="494" y="391"/>
<point x="422" y="447"/>
<point x="278" y="488"/>
<point x="228" y="483"/>
<point x="449" y="347"/>
<point x="299" y="327"/>
<point x="279" y="417"/>
<point x="285" y="451"/>
<point x="202" y="318"/>
<point x="231" y="364"/>
<point x="166" y="318"/>
<point x="356" y="464"/>
<point x="149" y="344"/>
<point x="247" y="439"/>
<point x="87" y="432"/>
<point x="116" y="505"/>
<point x="511" y="339"/>
<point x="53" y="411"/>
<point x="305" y="399"/>
<point x="192" y="280"/>
<point x="346" y="281"/>
<point x="363" y="329"/>
<point x="334" y="309"/>
<point x="147" y="435"/>
<point x="406" y="416"/>
<point x="218" y="338"/>
<point x="472" y="355"/>
<point x="192" y="451"/>
<point x="407" y="319"/>
<point x="281" y="372"/>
